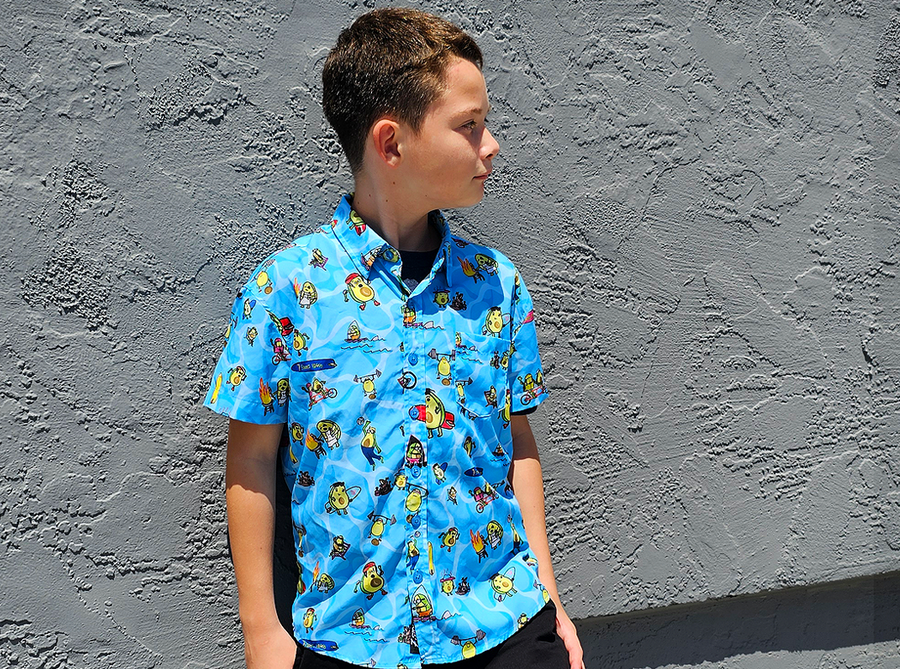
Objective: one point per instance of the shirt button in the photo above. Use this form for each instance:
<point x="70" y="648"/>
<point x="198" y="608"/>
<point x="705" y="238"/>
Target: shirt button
<point x="417" y="577"/>
<point x="413" y="359"/>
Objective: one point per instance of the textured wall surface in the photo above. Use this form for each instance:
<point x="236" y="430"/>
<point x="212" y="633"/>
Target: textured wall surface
<point x="703" y="195"/>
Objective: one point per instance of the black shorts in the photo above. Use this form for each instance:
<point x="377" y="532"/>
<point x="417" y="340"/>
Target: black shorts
<point x="534" y="646"/>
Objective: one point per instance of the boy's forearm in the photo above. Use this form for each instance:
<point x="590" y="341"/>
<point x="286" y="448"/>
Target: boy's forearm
<point x="528" y="486"/>
<point x="250" y="498"/>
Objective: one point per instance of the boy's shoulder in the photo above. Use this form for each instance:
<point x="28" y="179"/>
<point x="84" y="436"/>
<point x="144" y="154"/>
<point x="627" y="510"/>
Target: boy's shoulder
<point x="307" y="251"/>
<point x="280" y="276"/>
<point x="477" y="261"/>
<point x="301" y="247"/>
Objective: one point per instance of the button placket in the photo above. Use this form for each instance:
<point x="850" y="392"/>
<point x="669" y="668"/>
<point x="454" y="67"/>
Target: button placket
<point x="415" y="521"/>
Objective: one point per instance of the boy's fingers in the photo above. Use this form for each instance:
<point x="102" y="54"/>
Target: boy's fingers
<point x="576" y="656"/>
<point x="569" y="635"/>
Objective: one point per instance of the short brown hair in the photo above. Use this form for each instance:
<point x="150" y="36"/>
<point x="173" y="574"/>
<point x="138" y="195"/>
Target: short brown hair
<point x="390" y="62"/>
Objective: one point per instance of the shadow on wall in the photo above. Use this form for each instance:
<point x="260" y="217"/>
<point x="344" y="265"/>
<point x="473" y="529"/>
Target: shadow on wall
<point x="842" y="615"/>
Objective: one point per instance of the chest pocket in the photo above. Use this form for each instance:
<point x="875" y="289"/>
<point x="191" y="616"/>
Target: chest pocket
<point x="480" y="374"/>
<point x="334" y="382"/>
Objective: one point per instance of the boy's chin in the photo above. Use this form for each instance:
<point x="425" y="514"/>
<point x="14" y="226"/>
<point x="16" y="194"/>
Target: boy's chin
<point x="470" y="201"/>
<point x="460" y="200"/>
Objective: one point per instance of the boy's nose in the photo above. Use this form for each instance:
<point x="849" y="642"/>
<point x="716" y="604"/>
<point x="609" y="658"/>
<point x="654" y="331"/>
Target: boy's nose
<point x="490" y="146"/>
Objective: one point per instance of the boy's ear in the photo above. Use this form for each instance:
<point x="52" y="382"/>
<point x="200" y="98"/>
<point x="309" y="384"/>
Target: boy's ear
<point x="385" y="135"/>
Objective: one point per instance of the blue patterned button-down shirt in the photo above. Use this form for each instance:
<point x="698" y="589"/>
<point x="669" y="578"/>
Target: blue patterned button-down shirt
<point x="409" y="540"/>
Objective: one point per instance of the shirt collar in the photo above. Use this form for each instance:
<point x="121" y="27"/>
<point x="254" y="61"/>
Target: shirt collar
<point x="365" y="246"/>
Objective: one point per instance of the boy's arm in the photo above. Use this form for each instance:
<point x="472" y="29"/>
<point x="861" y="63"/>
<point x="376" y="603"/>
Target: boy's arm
<point x="528" y="487"/>
<point x="250" y="498"/>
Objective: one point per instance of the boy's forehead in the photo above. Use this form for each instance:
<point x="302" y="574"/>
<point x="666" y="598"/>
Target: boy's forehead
<point x="464" y="91"/>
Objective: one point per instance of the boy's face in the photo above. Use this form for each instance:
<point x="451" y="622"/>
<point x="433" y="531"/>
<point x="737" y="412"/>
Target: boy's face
<point x="447" y="162"/>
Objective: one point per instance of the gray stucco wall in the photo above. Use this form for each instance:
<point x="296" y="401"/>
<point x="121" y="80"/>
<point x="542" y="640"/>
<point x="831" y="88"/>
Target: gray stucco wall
<point x="703" y="197"/>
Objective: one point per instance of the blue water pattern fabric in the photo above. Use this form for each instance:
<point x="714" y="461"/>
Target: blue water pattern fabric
<point x="409" y="540"/>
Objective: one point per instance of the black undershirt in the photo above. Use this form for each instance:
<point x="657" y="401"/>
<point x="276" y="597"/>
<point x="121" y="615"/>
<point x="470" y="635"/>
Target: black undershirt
<point x="414" y="268"/>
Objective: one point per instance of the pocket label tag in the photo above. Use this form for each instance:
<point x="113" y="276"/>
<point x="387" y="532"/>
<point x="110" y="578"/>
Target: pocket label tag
<point x="314" y="365"/>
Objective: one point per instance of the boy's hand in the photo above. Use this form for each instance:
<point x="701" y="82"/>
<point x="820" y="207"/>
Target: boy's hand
<point x="269" y="648"/>
<point x="566" y="631"/>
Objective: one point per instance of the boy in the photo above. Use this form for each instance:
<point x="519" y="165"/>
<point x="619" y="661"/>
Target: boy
<point x="399" y="359"/>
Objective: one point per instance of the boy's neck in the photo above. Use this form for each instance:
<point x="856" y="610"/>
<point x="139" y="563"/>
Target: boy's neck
<point x="393" y="219"/>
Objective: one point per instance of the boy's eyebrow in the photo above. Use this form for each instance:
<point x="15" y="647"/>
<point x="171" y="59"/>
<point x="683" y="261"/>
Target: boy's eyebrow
<point x="477" y="110"/>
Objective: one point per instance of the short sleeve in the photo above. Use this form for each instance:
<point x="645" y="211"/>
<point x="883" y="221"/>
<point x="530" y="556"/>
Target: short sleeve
<point x="250" y="381"/>
<point x="526" y="376"/>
